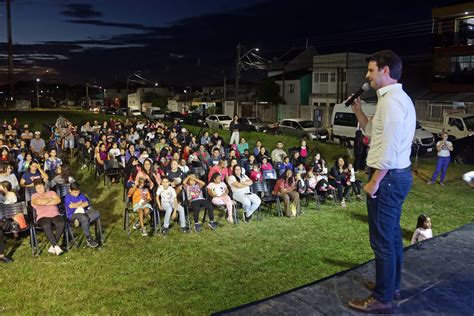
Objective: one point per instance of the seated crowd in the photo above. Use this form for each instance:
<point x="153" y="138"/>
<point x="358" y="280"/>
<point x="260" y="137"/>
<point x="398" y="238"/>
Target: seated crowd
<point x="162" y="167"/>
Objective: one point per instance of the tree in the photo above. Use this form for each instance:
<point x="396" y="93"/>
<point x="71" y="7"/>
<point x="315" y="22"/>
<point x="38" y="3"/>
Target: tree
<point x="269" y="91"/>
<point x="160" y="102"/>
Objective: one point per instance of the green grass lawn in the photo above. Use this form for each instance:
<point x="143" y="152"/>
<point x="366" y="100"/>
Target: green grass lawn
<point x="212" y="271"/>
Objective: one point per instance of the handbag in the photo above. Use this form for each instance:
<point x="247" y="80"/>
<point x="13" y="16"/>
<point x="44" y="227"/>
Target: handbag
<point x="20" y="220"/>
<point x="293" y="209"/>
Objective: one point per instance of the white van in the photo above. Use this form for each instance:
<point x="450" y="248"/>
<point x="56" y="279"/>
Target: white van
<point x="344" y="124"/>
<point x="154" y="113"/>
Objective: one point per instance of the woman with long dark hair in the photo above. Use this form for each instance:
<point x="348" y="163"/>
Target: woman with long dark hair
<point x="285" y="188"/>
<point x="338" y="179"/>
<point x="240" y="185"/>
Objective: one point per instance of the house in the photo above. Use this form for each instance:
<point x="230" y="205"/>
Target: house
<point x="143" y="97"/>
<point x="335" y="77"/>
<point x="453" y="49"/>
<point x="452" y="76"/>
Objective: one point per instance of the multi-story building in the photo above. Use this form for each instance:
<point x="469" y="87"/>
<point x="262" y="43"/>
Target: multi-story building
<point x="335" y="77"/>
<point x="453" y="49"/>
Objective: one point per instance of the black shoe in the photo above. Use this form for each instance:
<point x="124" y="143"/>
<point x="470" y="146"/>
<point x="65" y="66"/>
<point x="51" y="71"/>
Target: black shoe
<point x="212" y="225"/>
<point x="185" y="229"/>
<point x="164" y="231"/>
<point x="197" y="227"/>
<point x="92" y="243"/>
<point x="6" y="260"/>
<point x="247" y="218"/>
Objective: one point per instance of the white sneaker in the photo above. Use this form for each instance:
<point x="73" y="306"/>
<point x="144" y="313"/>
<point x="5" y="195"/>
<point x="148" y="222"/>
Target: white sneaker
<point x="58" y="250"/>
<point x="51" y="250"/>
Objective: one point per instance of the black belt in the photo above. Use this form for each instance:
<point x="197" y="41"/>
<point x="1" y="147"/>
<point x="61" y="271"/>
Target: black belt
<point x="407" y="169"/>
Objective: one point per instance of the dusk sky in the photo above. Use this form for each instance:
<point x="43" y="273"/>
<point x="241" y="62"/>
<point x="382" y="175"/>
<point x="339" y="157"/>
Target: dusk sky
<point x="103" y="41"/>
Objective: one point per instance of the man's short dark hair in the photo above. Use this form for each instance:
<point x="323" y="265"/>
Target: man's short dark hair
<point x="38" y="181"/>
<point x="74" y="186"/>
<point x="390" y="59"/>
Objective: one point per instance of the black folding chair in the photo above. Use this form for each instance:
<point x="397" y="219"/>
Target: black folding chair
<point x="9" y="211"/>
<point x="111" y="170"/>
<point x="155" y="217"/>
<point x="262" y="189"/>
<point x="62" y="190"/>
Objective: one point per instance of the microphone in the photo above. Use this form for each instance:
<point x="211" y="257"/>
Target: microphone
<point x="359" y="92"/>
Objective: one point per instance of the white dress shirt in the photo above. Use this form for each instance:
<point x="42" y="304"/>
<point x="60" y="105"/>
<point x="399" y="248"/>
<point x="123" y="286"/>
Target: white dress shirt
<point x="391" y="129"/>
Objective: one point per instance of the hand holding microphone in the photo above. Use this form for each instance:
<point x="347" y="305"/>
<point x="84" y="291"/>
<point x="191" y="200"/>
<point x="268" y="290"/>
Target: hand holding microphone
<point x="356" y="95"/>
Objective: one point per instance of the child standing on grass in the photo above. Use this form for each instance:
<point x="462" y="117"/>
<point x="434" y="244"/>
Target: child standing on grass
<point x="423" y="229"/>
<point x="141" y="203"/>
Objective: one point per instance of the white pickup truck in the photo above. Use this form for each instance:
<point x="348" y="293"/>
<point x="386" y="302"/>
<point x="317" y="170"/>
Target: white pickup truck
<point x="457" y="125"/>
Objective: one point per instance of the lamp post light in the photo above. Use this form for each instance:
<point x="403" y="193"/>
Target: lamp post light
<point x="37" y="93"/>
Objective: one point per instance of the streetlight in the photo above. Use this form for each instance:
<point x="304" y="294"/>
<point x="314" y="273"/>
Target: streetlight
<point x="238" y="67"/>
<point x="37" y="92"/>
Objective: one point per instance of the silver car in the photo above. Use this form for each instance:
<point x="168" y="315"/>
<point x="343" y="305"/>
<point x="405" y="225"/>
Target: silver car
<point x="302" y="128"/>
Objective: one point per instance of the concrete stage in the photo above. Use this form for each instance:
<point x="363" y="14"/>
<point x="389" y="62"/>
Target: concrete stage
<point x="438" y="279"/>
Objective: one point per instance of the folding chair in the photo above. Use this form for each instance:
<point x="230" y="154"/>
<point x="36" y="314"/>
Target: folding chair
<point x="111" y="169"/>
<point x="154" y="214"/>
<point x="261" y="189"/>
<point x="8" y="211"/>
<point x="222" y="208"/>
<point x="62" y="190"/>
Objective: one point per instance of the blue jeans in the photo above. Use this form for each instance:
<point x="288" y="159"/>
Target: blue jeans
<point x="441" y="166"/>
<point x="385" y="234"/>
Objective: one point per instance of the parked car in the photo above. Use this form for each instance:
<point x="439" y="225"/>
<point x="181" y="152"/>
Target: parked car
<point x="110" y="111"/>
<point x="154" y="113"/>
<point x="135" y="112"/>
<point x="171" y="116"/>
<point x="253" y="124"/>
<point x="121" y="111"/>
<point x="218" y="121"/>
<point x="302" y="128"/>
<point x="195" y="119"/>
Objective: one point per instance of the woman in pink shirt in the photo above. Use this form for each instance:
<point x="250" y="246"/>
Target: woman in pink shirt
<point x="285" y="188"/>
<point x="47" y="214"/>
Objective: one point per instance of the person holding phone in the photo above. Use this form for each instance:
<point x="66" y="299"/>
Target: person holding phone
<point x="444" y="147"/>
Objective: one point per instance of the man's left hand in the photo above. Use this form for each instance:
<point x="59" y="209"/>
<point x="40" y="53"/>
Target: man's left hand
<point x="371" y="188"/>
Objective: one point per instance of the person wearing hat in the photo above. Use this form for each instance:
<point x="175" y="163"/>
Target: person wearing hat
<point x="37" y="145"/>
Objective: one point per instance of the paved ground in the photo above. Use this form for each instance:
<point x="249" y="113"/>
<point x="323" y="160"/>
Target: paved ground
<point x="437" y="279"/>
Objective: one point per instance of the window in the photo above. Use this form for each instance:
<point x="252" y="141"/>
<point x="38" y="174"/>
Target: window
<point x="316" y="77"/>
<point x="457" y="123"/>
<point x="462" y="63"/>
<point x="291" y="88"/>
<point x="315" y="103"/>
<point x="345" y="119"/>
<point x="333" y="77"/>
<point x="322" y="104"/>
<point x="323" y="77"/>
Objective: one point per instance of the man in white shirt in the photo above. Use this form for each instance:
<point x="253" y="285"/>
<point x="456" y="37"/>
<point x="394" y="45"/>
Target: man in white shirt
<point x="391" y="130"/>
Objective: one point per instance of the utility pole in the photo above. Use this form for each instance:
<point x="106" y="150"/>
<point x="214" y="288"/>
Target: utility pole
<point x="37" y="93"/>
<point x="87" y="95"/>
<point x="237" y="77"/>
<point x="10" y="51"/>
<point x="225" y="88"/>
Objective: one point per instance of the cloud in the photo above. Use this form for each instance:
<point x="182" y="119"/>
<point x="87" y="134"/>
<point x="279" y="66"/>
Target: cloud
<point x="134" y="26"/>
<point x="80" y="11"/>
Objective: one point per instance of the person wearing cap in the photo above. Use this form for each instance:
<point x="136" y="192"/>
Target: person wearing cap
<point x="184" y="137"/>
<point x="37" y="145"/>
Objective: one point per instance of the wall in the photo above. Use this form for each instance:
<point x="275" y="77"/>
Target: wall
<point x="290" y="97"/>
